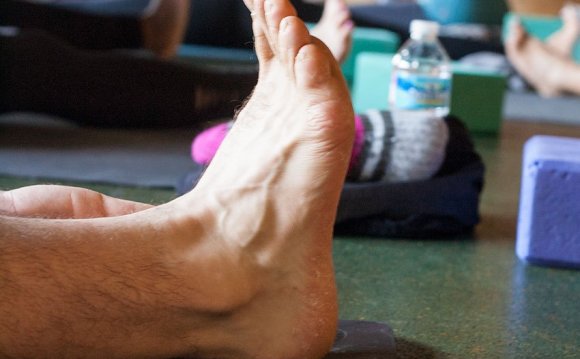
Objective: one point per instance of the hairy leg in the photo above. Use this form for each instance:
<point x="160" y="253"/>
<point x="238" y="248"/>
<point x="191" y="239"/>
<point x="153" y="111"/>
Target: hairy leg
<point x="41" y="73"/>
<point x="240" y="267"/>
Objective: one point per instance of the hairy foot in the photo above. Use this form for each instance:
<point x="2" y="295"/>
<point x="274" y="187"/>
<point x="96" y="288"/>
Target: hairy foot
<point x="240" y="267"/>
<point x="335" y="28"/>
<point x="563" y="40"/>
<point x="274" y="186"/>
<point x="534" y="61"/>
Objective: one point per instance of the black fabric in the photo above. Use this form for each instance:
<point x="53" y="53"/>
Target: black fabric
<point x="223" y="23"/>
<point x="219" y="23"/>
<point x="227" y="23"/>
<point x="80" y="29"/>
<point x="445" y="205"/>
<point x="41" y="73"/>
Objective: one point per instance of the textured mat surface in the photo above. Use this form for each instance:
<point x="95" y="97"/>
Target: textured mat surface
<point x="39" y="147"/>
<point x="529" y="106"/>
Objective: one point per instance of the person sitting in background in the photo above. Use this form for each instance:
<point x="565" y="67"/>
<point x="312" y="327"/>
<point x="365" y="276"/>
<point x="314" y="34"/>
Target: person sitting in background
<point x="154" y="25"/>
<point x="56" y="59"/>
<point x="160" y="26"/>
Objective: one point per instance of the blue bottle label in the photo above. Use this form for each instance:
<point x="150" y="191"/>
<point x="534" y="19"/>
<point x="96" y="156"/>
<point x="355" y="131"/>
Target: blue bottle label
<point x="415" y="91"/>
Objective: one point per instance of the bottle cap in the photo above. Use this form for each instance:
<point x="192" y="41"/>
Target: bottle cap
<point x="424" y="28"/>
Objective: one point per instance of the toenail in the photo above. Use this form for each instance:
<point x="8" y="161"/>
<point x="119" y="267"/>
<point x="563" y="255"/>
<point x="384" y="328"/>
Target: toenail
<point x="269" y="6"/>
<point x="285" y="24"/>
<point x="301" y="56"/>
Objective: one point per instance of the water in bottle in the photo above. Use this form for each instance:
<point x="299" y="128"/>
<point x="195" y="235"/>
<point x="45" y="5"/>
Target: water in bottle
<point x="421" y="76"/>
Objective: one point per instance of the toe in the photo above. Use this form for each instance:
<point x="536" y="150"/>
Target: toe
<point x="516" y="35"/>
<point x="343" y="17"/>
<point x="261" y="43"/>
<point x="249" y="4"/>
<point x="312" y="66"/>
<point x="293" y="36"/>
<point x="273" y="12"/>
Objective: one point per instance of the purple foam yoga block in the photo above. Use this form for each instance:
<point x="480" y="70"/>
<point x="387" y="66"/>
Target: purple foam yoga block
<point x="549" y="215"/>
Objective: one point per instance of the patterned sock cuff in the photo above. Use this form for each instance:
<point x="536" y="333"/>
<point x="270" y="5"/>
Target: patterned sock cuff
<point x="359" y="137"/>
<point x="372" y="160"/>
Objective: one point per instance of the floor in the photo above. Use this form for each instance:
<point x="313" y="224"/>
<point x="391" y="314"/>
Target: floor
<point x="467" y="297"/>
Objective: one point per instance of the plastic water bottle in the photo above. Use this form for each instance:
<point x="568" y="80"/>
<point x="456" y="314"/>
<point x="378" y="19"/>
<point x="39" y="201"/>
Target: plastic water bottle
<point x="421" y="76"/>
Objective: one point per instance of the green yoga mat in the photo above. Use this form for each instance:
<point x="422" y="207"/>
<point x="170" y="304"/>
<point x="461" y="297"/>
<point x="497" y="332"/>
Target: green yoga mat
<point x="35" y="146"/>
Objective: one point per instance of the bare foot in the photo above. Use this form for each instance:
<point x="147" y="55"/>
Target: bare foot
<point x="563" y="40"/>
<point x="335" y="28"/>
<point x="240" y="267"/>
<point x="298" y="126"/>
<point x="534" y="61"/>
<point x="164" y="26"/>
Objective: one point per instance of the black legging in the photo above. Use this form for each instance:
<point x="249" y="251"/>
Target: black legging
<point x="56" y="65"/>
<point x="224" y="23"/>
<point x="41" y="73"/>
<point x="83" y="30"/>
<point x="228" y="23"/>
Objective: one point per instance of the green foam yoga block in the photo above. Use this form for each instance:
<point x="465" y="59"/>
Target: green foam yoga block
<point x="368" y="40"/>
<point x="477" y="98"/>
<point x="477" y="95"/>
<point x="540" y="27"/>
<point x="371" y="82"/>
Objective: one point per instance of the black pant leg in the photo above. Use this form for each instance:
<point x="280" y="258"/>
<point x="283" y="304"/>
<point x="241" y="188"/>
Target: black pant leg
<point x="308" y="12"/>
<point x="83" y="30"/>
<point x="227" y="23"/>
<point x="213" y="23"/>
<point x="41" y="73"/>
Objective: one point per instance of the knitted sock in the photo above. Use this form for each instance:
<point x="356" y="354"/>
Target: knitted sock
<point x="386" y="147"/>
<point x="399" y="148"/>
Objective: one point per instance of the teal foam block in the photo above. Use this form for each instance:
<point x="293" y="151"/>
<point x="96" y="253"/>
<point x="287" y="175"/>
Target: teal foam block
<point x="477" y="95"/>
<point x="370" y="89"/>
<point x="368" y="40"/>
<point x="488" y="12"/>
<point x="540" y="27"/>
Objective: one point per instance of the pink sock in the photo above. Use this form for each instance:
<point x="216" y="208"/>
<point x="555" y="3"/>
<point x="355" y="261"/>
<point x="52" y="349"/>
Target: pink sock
<point x="206" y="144"/>
<point x="359" y="140"/>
